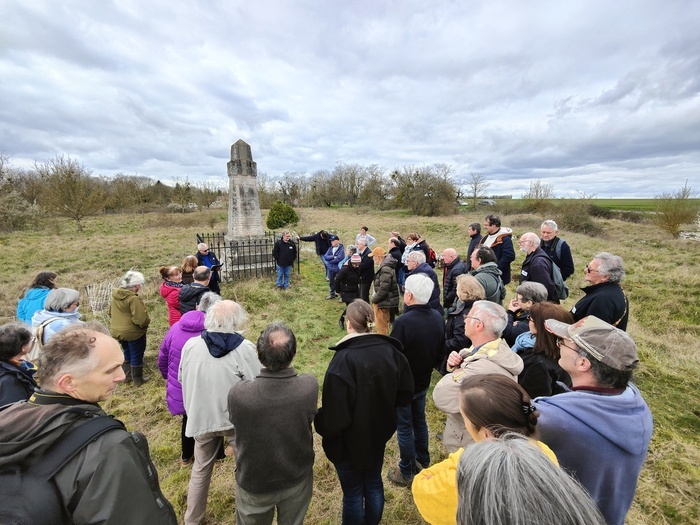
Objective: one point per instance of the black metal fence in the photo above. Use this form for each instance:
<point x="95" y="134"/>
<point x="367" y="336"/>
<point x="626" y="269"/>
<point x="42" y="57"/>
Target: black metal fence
<point x="242" y="259"/>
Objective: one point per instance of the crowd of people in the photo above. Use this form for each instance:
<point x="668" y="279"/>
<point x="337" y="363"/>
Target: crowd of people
<point x="537" y="400"/>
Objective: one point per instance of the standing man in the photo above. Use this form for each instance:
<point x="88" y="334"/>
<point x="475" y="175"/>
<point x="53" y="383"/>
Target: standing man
<point x="274" y="442"/>
<point x="489" y="354"/>
<point x="366" y="269"/>
<point x="210" y="365"/>
<point x="601" y="428"/>
<point x="557" y="249"/>
<point x="110" y="480"/>
<point x="190" y="294"/>
<point x="474" y="232"/>
<point x="415" y="262"/>
<point x="537" y="266"/>
<point x="284" y="253"/>
<point x="206" y="257"/>
<point x="322" y="243"/>
<point x="421" y="331"/>
<point x="331" y="259"/>
<point x="604" y="296"/>
<point x="454" y="267"/>
<point x="499" y="239"/>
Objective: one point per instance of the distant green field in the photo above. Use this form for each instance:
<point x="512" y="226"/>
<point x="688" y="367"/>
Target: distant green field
<point x="611" y="204"/>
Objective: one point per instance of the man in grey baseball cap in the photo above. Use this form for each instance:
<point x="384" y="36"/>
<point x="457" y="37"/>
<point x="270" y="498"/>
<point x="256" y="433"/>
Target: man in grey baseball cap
<point x="599" y="429"/>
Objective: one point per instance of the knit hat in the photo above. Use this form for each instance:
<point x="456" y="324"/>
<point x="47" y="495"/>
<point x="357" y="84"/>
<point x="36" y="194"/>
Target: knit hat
<point x="602" y="341"/>
<point x="378" y="252"/>
<point x="355" y="259"/>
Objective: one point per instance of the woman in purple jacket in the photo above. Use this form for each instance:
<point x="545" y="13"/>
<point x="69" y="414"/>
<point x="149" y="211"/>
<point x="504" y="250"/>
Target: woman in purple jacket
<point x="190" y="325"/>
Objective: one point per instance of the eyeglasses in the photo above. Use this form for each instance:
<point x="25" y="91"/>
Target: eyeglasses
<point x="588" y="270"/>
<point x="472" y="317"/>
<point x="560" y="343"/>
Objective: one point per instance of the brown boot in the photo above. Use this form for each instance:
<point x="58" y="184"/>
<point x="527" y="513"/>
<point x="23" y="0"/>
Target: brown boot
<point x="137" y="373"/>
<point x="127" y="372"/>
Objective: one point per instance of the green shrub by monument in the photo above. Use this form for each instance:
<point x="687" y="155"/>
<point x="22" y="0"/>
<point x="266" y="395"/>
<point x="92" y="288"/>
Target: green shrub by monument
<point x="281" y="215"/>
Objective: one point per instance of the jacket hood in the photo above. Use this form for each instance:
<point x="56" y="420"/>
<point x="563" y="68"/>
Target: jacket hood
<point x="44" y="315"/>
<point x="193" y="290"/>
<point x="606" y="414"/>
<point x="36" y="293"/>
<point x="504" y="232"/>
<point x="220" y="344"/>
<point x="489" y="267"/>
<point x="121" y="294"/>
<point x="389" y="261"/>
<point x="192" y="322"/>
<point x="498" y="352"/>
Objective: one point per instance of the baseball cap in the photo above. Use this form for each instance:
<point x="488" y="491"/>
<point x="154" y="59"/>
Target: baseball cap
<point x="602" y="341"/>
<point x="333" y="237"/>
<point x="378" y="252"/>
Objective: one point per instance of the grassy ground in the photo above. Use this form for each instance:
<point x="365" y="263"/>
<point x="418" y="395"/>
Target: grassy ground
<point x="663" y="284"/>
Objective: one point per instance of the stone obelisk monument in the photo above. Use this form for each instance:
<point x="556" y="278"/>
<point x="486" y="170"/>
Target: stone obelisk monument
<point x="244" y="219"/>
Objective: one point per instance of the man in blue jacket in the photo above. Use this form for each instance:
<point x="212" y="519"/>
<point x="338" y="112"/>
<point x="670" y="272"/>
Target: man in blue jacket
<point x="333" y="256"/>
<point x="601" y="428"/>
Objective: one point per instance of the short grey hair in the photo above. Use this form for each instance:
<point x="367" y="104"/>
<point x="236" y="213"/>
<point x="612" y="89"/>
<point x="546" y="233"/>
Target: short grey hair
<point x="492" y="315"/>
<point x="551" y="224"/>
<point x="611" y="265"/>
<point x="421" y="286"/>
<point x="416" y="256"/>
<point x="208" y="299"/>
<point x="532" y="291"/>
<point x="225" y="316"/>
<point x="495" y="477"/>
<point x="202" y="245"/>
<point x="533" y="238"/>
<point x="132" y="279"/>
<point x="59" y="299"/>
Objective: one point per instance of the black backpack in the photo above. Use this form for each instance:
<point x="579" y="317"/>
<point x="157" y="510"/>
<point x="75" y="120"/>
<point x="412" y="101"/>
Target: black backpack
<point x="30" y="495"/>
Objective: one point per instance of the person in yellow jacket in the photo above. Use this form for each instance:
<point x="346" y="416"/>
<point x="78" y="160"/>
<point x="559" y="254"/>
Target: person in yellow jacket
<point x="491" y="405"/>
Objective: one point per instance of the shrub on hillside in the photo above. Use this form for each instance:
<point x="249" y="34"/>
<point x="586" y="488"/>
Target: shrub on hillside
<point x="673" y="209"/>
<point x="281" y="215"/>
<point x="574" y="215"/>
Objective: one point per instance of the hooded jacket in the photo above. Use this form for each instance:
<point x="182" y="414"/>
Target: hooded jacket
<point x="602" y="440"/>
<point x="494" y="357"/>
<point x="170" y="292"/>
<point x="32" y="302"/>
<point x="111" y="481"/>
<point x="502" y="247"/>
<point x="347" y="282"/>
<point x="366" y="380"/>
<point x="190" y="325"/>
<point x="210" y="365"/>
<point x="60" y="320"/>
<point x="489" y="276"/>
<point x="189" y="296"/>
<point x="386" y="288"/>
<point x="128" y="313"/>
<point x="434" y="301"/>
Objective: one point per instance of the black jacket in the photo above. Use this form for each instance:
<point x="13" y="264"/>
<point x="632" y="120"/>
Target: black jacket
<point x="347" y="283"/>
<point x="449" y="281"/>
<point x="366" y="380"/>
<point x="606" y="301"/>
<point x="566" y="261"/>
<point x="540" y="375"/>
<point x="512" y="331"/>
<point x="421" y="331"/>
<point x="189" y="296"/>
<point x="284" y="253"/>
<point x="475" y="240"/>
<point x="320" y="239"/>
<point x="434" y="302"/>
<point x="15" y="384"/>
<point x="537" y="268"/>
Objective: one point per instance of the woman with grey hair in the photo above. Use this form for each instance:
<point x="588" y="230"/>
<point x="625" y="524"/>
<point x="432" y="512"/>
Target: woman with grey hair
<point x="60" y="310"/>
<point x="509" y="480"/>
<point x="16" y="374"/>
<point x="129" y="324"/>
<point x="604" y="296"/>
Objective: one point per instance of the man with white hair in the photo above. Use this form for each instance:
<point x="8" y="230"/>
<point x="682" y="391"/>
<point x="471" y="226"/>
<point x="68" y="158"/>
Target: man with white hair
<point x="211" y="364"/>
<point x="421" y="331"/>
<point x="206" y="257"/>
<point x="489" y="354"/>
<point x="416" y="264"/>
<point x="604" y="296"/>
<point x="454" y="267"/>
<point x="537" y="266"/>
<point x="557" y="248"/>
<point x="601" y="428"/>
<point x="111" y="479"/>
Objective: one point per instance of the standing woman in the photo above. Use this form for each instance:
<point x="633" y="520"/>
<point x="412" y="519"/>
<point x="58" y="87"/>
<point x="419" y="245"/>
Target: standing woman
<point x="365" y="236"/>
<point x="366" y="380"/>
<point x="33" y="297"/>
<point x="189" y="263"/>
<point x="170" y="289"/>
<point x="16" y="375"/>
<point x="129" y="324"/>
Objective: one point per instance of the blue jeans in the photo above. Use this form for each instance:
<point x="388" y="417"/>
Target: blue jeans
<point x="412" y="435"/>
<point x="363" y="492"/>
<point x="283" y="273"/>
<point x="134" y="350"/>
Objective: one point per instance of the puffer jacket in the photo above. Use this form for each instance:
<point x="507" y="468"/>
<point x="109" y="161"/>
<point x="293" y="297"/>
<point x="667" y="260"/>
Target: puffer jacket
<point x="190" y="325"/>
<point x="129" y="316"/>
<point x="386" y="289"/>
<point x="347" y="283"/>
<point x="170" y="291"/>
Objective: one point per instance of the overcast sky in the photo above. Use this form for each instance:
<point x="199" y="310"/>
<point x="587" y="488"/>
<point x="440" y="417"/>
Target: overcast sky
<point x="601" y="97"/>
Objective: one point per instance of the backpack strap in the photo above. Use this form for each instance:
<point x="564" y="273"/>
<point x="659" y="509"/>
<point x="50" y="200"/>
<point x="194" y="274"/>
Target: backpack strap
<point x="39" y="334"/>
<point x="624" y="312"/>
<point x="72" y="443"/>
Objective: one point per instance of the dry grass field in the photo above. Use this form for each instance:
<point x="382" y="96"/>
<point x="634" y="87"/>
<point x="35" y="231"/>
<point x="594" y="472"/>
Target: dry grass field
<point x="663" y="284"/>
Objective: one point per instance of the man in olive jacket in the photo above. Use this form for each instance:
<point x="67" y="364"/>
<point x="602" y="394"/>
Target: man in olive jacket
<point x="111" y="480"/>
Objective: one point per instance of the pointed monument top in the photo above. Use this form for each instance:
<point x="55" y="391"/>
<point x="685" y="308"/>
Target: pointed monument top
<point x="241" y="151"/>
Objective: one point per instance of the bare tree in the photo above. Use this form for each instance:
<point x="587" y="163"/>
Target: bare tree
<point x="69" y="190"/>
<point x="539" y="198"/>
<point x="206" y="194"/>
<point x="673" y="209"/>
<point x="476" y="186"/>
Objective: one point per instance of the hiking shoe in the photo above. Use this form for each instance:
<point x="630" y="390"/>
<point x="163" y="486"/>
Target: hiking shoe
<point x="331" y="297"/>
<point x="420" y="466"/>
<point x="397" y="478"/>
